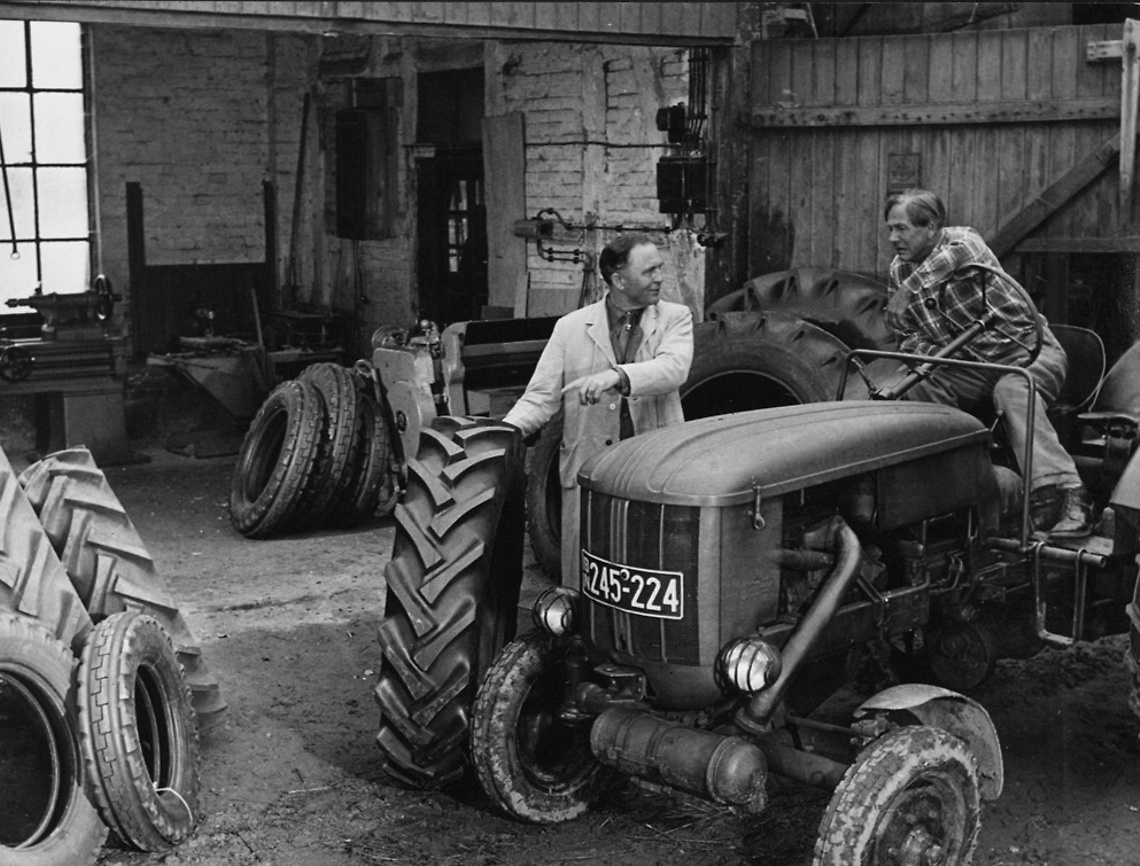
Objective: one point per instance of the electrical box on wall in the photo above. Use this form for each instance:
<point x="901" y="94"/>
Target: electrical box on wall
<point x="685" y="184"/>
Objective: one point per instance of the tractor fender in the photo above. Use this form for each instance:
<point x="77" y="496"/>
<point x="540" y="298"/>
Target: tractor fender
<point x="954" y="713"/>
<point x="1126" y="493"/>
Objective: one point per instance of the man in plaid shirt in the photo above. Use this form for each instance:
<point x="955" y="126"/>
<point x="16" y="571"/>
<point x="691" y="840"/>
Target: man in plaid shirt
<point x="932" y="301"/>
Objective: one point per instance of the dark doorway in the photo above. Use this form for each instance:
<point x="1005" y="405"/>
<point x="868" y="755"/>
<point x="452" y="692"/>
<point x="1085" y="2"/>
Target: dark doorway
<point x="451" y="262"/>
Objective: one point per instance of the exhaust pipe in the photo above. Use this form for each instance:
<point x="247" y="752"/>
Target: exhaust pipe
<point x="727" y="770"/>
<point x="756" y="714"/>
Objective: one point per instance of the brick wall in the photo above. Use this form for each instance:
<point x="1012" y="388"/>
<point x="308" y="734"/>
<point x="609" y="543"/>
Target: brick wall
<point x="199" y="119"/>
<point x="591" y="146"/>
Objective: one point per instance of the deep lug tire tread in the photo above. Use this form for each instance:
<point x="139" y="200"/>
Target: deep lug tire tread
<point x="33" y="581"/>
<point x="452" y="593"/>
<point x="106" y="559"/>
<point x="127" y="796"/>
<point x="30" y="653"/>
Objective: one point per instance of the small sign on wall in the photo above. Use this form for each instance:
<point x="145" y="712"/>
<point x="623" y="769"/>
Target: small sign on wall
<point x="904" y="170"/>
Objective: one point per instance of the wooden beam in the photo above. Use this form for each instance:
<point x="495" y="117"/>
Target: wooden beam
<point x="1025" y="111"/>
<point x="1055" y="197"/>
<point x="281" y="18"/>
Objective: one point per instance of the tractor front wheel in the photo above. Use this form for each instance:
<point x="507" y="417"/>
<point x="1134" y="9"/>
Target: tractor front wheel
<point x="531" y="763"/>
<point x="910" y="797"/>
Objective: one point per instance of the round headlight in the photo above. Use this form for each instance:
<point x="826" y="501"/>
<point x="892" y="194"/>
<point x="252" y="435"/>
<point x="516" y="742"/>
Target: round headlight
<point x="749" y="664"/>
<point x="554" y="610"/>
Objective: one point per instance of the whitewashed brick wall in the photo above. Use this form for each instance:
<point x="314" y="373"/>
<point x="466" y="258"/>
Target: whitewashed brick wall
<point x="577" y="99"/>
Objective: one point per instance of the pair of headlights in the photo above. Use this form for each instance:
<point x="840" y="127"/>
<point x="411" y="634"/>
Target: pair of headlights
<point x="745" y="664"/>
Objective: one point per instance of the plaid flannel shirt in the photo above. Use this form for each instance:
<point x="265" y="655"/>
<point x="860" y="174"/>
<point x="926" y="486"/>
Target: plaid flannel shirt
<point x="943" y="305"/>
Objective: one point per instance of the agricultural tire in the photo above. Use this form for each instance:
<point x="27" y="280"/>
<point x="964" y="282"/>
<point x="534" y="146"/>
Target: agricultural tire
<point x="544" y="499"/>
<point x="530" y="763"/>
<point x="741" y="361"/>
<point x="913" y="790"/>
<point x="276" y="460"/>
<point x="452" y="593"/>
<point x="341" y="441"/>
<point x="847" y="305"/>
<point x="106" y="559"/>
<point x="46" y="818"/>
<point x="32" y="579"/>
<point x="139" y="733"/>
<point x="372" y="490"/>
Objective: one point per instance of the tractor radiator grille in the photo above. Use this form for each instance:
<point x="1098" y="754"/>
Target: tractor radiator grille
<point x="644" y="535"/>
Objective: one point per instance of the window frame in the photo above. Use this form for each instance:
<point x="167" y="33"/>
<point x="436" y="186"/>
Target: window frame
<point x="33" y="243"/>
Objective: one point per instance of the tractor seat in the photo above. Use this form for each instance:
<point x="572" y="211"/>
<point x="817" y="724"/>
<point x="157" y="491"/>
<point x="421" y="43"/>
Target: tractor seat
<point x="1085" y="350"/>
<point x="1086" y="367"/>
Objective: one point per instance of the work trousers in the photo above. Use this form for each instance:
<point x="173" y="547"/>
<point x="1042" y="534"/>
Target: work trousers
<point x="971" y="390"/>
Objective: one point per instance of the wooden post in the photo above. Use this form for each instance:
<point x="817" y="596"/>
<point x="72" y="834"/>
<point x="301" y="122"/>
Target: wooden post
<point x="1129" y="88"/>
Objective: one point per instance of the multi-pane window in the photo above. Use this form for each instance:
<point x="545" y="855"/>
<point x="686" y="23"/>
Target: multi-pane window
<point x="43" y="164"/>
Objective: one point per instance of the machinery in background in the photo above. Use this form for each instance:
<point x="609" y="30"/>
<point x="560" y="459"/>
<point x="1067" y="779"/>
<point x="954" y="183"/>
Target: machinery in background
<point x="77" y="370"/>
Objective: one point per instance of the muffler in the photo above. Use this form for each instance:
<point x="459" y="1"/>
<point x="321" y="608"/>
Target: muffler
<point x="727" y="770"/>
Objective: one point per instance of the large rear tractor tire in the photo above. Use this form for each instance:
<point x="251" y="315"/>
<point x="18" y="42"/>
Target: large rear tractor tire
<point x="452" y="593"/>
<point x="106" y="559"/>
<point x="741" y="361"/>
<point x="544" y="499"/>
<point x="46" y="818"/>
<point x="847" y="305"/>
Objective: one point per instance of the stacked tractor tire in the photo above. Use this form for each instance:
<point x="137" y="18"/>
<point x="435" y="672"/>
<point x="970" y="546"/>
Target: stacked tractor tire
<point x="316" y="455"/>
<point x="102" y="684"/>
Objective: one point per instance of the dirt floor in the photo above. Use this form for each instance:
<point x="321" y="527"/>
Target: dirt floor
<point x="291" y="773"/>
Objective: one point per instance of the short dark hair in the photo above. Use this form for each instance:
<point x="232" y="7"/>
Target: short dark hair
<point x="921" y="205"/>
<point x="615" y="255"/>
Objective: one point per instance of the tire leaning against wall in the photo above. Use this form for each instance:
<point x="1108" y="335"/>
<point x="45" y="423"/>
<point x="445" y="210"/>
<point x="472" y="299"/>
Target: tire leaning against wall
<point x="741" y="361"/>
<point x="36" y="689"/>
<point x="276" y="460"/>
<point x="106" y="559"/>
<point x="452" y="593"/>
<point x="138" y="732"/>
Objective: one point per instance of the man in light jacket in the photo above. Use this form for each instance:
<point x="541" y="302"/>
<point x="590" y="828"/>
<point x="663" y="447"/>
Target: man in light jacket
<point x="614" y="366"/>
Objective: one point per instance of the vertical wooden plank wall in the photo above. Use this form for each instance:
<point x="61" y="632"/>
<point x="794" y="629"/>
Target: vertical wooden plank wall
<point x="818" y="180"/>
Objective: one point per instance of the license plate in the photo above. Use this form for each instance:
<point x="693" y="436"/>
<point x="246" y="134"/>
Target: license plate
<point x="639" y="591"/>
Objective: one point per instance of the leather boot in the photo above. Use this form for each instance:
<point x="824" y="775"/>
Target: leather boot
<point x="1076" y="514"/>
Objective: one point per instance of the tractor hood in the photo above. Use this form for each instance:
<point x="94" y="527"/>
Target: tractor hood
<point x="729" y="459"/>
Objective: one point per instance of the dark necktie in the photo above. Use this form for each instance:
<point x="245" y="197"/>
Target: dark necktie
<point x="629" y="337"/>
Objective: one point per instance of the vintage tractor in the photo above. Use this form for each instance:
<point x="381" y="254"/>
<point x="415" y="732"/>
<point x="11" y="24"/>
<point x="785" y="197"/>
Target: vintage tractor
<point x="735" y="572"/>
